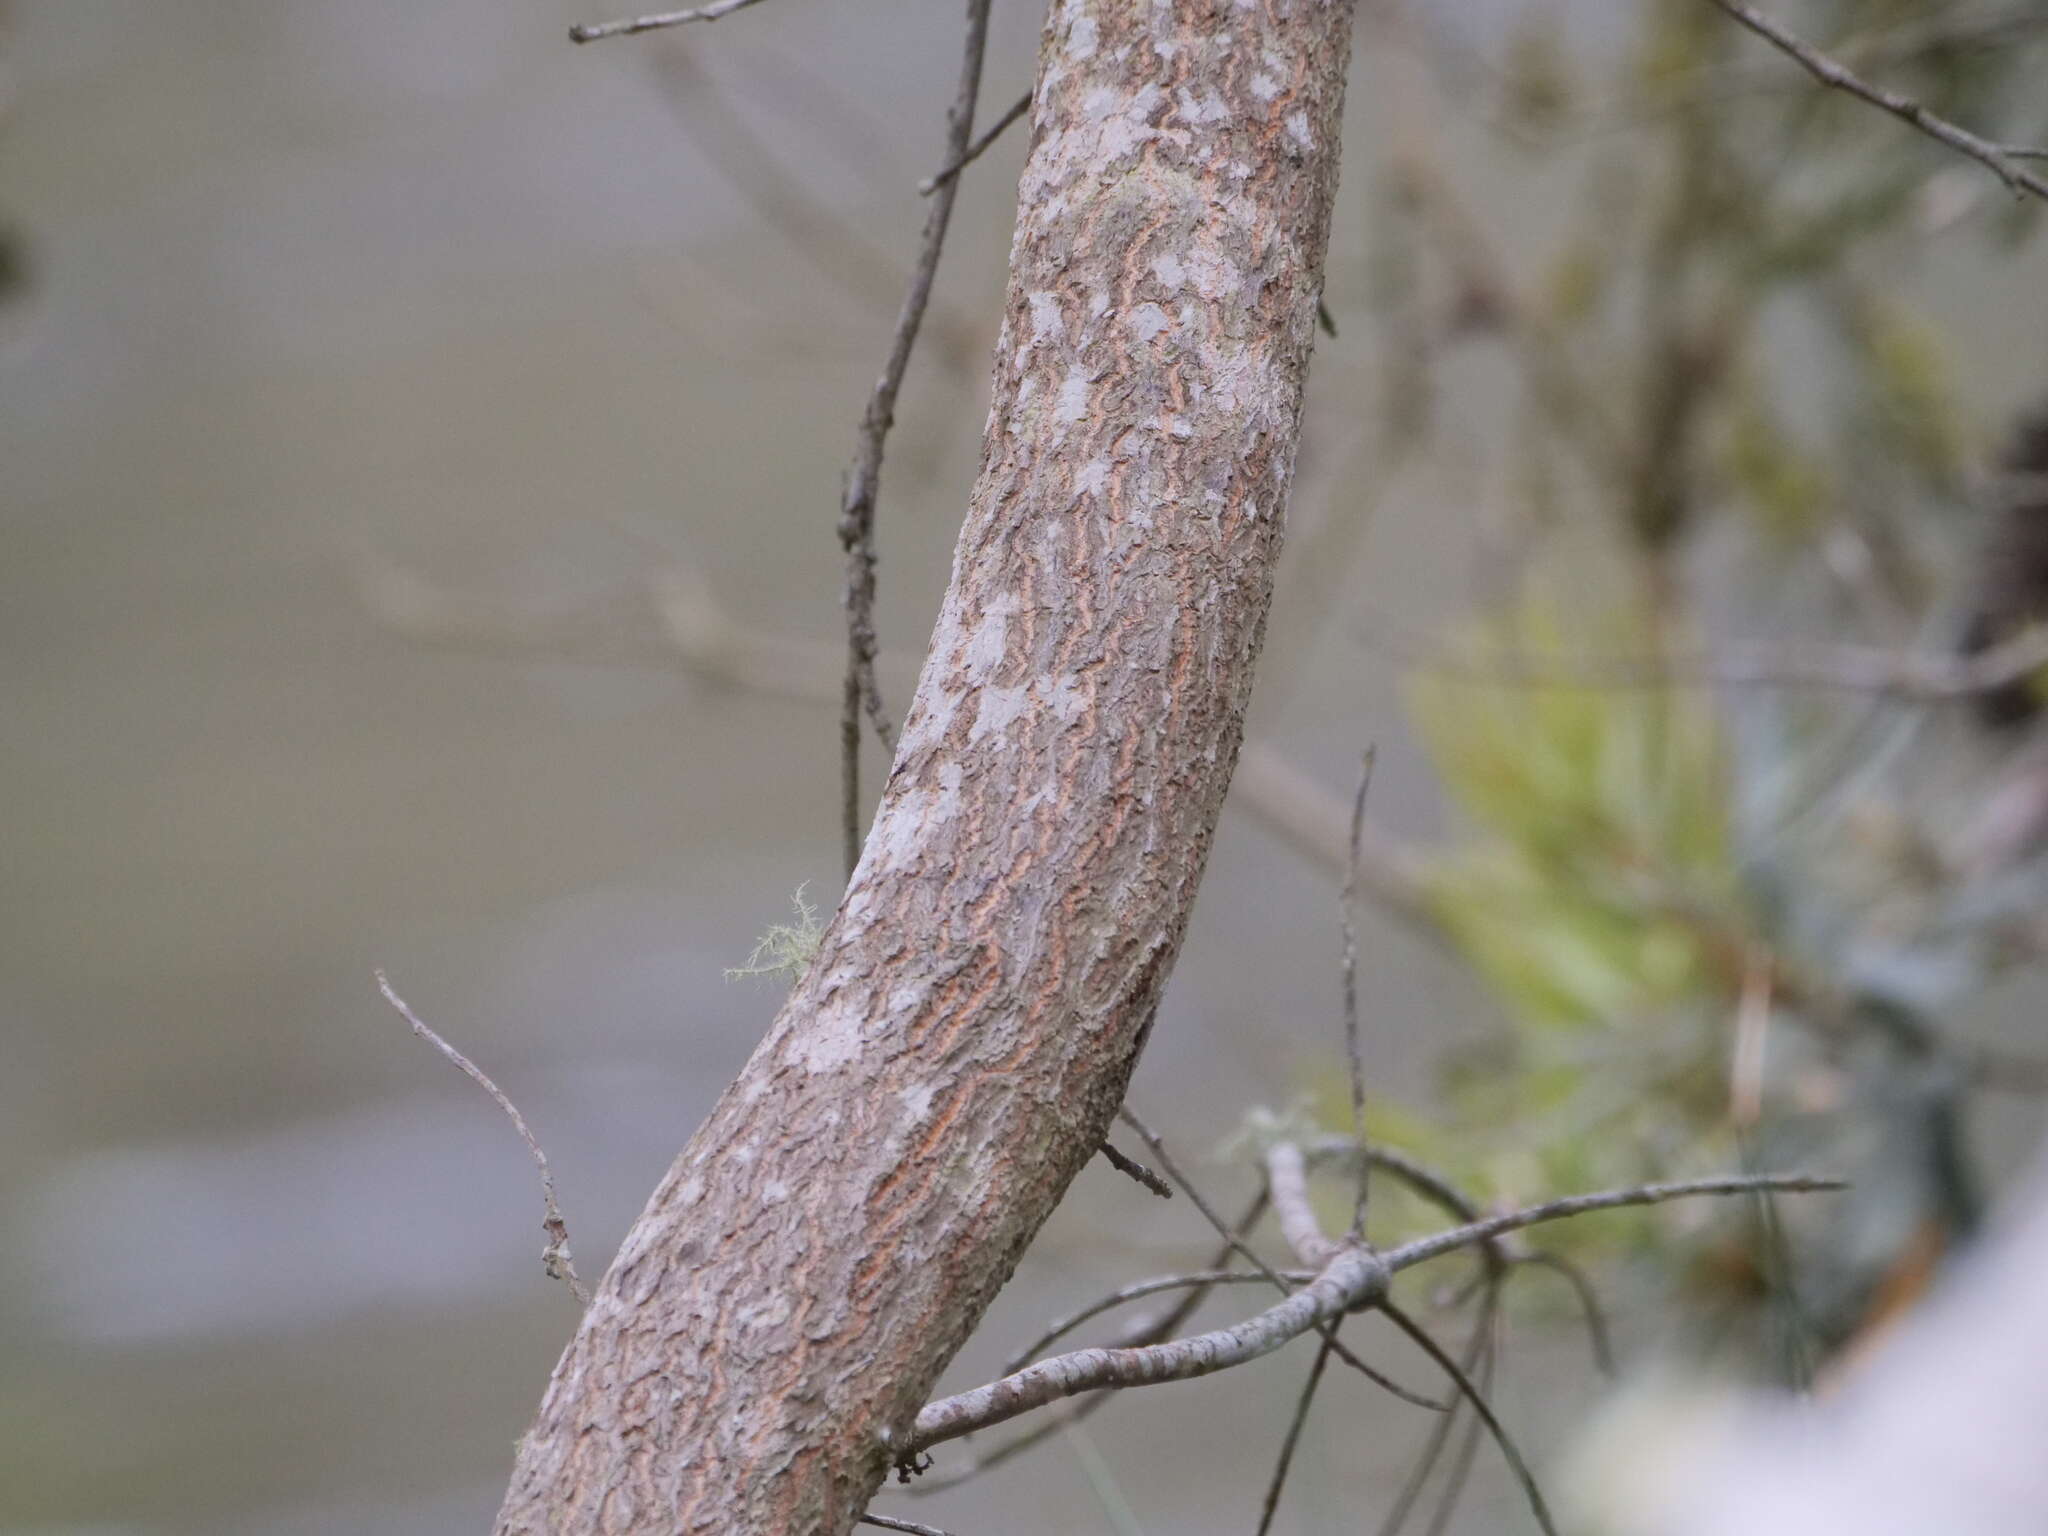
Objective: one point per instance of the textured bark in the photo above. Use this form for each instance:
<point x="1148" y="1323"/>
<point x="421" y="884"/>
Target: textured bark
<point x="835" y="1229"/>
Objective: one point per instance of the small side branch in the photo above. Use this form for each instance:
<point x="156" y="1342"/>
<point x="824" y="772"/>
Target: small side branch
<point x="1425" y="1248"/>
<point x="977" y="149"/>
<point x="1483" y="1409"/>
<point x="891" y="1523"/>
<point x="1478" y="1349"/>
<point x="1998" y="158"/>
<point x="1295" y="1425"/>
<point x="1236" y="1243"/>
<point x="1131" y="1168"/>
<point x="559" y="1262"/>
<point x="1136" y="1291"/>
<point x="1143" y="1330"/>
<point x="1598" y="1336"/>
<point x="592" y="32"/>
<point x="1352" y="1278"/>
<point x="861" y="693"/>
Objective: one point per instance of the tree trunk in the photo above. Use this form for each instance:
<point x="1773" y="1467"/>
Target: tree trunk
<point x="837" y="1226"/>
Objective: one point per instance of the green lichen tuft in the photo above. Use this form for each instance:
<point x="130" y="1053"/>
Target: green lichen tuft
<point x="786" y="949"/>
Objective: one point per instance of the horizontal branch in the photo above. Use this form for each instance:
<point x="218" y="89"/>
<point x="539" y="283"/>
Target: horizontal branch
<point x="1352" y="1278"/>
<point x="861" y="692"/>
<point x="592" y="32"/>
<point x="1998" y="158"/>
<point x="1137" y="1291"/>
<point x="1424" y="1248"/>
<point x="1481" y="1408"/>
<point x="1141" y="1330"/>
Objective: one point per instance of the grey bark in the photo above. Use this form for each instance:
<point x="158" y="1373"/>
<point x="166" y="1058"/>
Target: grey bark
<point x="780" y="1311"/>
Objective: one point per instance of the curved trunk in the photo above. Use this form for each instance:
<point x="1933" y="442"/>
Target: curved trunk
<point x="837" y="1226"/>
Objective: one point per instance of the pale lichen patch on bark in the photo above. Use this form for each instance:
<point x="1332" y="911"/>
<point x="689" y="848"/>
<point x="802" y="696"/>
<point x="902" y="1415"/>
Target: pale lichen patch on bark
<point x="998" y="709"/>
<point x="1147" y="321"/>
<point x="1073" y="397"/>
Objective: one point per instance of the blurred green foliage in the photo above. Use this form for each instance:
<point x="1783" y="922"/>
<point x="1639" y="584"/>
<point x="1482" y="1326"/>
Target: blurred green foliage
<point x="1723" y="395"/>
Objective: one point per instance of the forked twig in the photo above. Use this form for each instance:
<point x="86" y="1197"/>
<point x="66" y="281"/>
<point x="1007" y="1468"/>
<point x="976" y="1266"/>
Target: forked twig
<point x="559" y="1262"/>
<point x="1354" y="1278"/>
<point x="1238" y="1245"/>
<point x="1141" y="1331"/>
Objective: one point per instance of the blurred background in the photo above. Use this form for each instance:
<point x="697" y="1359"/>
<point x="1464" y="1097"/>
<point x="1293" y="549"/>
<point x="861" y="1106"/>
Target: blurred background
<point x="420" y="443"/>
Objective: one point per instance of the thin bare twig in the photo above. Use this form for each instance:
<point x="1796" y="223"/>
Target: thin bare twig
<point x="1424" y="1180"/>
<point x="1232" y="1239"/>
<point x="1597" y="1333"/>
<point x="1440" y="1432"/>
<point x="1468" y="1448"/>
<point x="1353" y="1279"/>
<point x="1424" y="1248"/>
<point x="1131" y="1168"/>
<point x="1152" y="1330"/>
<point x="1137" y="1290"/>
<point x="1480" y="1406"/>
<point x="1998" y="158"/>
<point x="1354" y="1050"/>
<point x="862" y="694"/>
<point x="975" y="150"/>
<point x="891" y="1523"/>
<point x="556" y="1258"/>
<point x="1294" y="1427"/>
<point x="1140" y="1331"/>
<point x="1311" y="821"/>
<point x="591" y="32"/>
